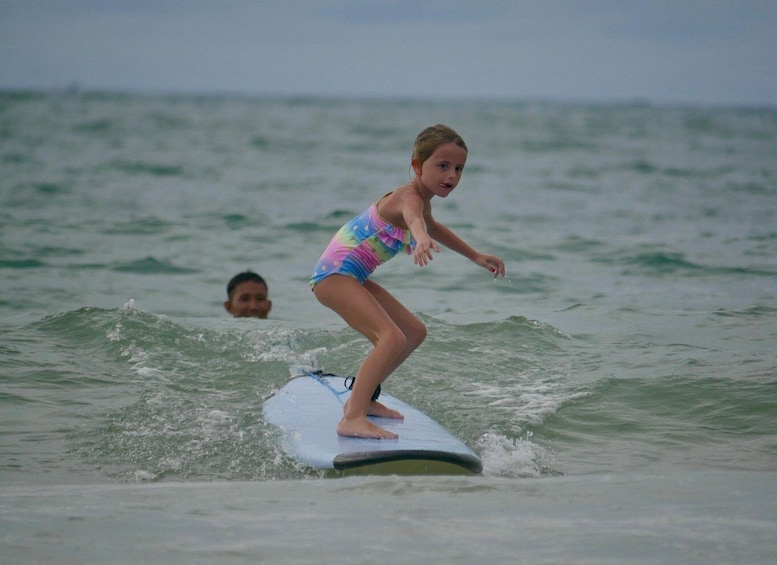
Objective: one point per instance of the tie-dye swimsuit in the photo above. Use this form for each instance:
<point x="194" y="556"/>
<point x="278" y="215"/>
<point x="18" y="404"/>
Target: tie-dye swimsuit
<point x="360" y="246"/>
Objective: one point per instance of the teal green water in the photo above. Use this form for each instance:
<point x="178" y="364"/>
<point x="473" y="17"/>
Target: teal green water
<point x="634" y="335"/>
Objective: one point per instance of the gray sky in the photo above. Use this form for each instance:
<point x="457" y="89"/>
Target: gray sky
<point x="709" y="52"/>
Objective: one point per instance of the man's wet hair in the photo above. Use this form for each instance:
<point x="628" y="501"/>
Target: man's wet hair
<point x="243" y="277"/>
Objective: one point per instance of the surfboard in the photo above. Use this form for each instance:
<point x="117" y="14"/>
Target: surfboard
<point x="307" y="409"/>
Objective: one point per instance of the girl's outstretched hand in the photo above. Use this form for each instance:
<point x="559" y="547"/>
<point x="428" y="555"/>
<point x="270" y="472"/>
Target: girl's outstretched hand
<point x="423" y="251"/>
<point x="491" y="262"/>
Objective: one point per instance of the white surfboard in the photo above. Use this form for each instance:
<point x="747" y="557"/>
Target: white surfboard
<point x="308" y="408"/>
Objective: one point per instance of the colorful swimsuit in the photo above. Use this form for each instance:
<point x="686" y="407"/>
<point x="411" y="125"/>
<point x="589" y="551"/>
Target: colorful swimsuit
<point x="360" y="246"/>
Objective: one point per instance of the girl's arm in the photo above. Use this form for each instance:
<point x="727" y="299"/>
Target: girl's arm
<point x="416" y="221"/>
<point x="445" y="235"/>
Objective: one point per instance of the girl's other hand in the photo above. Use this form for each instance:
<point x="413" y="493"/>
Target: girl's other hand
<point x="423" y="251"/>
<point x="493" y="263"/>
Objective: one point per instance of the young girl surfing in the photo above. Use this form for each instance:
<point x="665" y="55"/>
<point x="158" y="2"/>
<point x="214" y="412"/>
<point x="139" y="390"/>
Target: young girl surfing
<point x="400" y="221"/>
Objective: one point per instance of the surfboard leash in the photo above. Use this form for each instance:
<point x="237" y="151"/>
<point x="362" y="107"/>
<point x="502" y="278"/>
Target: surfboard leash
<point x="375" y="394"/>
<point x="319" y="374"/>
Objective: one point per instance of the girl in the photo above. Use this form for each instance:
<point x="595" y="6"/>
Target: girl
<point x="400" y="221"/>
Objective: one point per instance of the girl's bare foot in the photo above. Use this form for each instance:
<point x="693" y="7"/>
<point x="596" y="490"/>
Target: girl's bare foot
<point x="378" y="410"/>
<point x="363" y="428"/>
<point x="382" y="411"/>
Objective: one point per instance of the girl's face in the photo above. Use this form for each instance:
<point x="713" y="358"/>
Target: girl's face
<point x="441" y="172"/>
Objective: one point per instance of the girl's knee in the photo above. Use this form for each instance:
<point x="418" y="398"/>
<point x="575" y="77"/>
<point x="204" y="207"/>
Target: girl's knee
<point x="416" y="334"/>
<point x="395" y="339"/>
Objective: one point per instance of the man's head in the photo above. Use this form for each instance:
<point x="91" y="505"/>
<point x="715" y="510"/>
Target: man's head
<point x="247" y="296"/>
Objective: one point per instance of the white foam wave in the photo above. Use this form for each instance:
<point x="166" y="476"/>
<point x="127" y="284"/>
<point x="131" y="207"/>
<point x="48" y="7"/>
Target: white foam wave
<point x="506" y="457"/>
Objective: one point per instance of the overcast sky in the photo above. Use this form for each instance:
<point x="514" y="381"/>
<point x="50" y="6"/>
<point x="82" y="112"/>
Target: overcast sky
<point x="696" y="51"/>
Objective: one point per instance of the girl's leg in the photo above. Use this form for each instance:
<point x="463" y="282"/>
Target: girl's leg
<point x="413" y="328"/>
<point x="363" y="312"/>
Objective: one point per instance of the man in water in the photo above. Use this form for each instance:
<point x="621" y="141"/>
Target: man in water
<point x="247" y="296"/>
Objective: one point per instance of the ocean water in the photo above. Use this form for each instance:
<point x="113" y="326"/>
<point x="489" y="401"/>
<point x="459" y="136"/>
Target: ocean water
<point x="620" y="384"/>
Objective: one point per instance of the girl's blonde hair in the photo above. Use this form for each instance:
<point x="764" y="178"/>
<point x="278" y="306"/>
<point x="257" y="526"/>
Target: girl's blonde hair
<point x="430" y="139"/>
